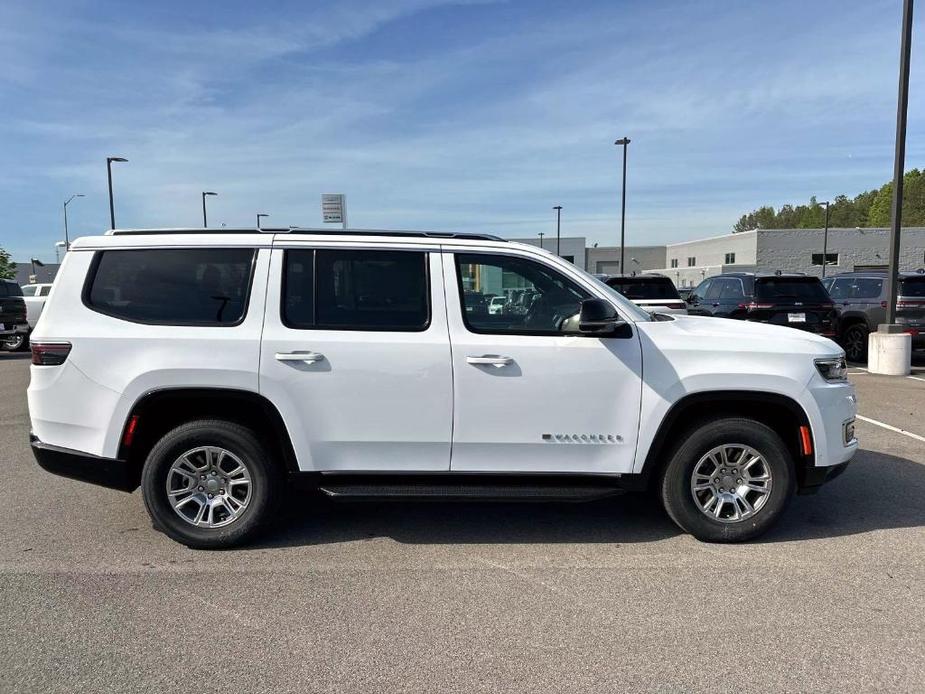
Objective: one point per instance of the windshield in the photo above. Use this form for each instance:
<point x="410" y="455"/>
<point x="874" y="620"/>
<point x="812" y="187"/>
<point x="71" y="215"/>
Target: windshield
<point x="628" y="306"/>
<point x="644" y="287"/>
<point x="912" y="286"/>
<point x="800" y="288"/>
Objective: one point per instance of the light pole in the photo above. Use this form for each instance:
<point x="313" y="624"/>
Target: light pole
<point x="67" y="243"/>
<point x="899" y="161"/>
<point x="825" y="237"/>
<point x="59" y="244"/>
<point x="625" y="142"/>
<point x="541" y="238"/>
<point x="112" y="209"/>
<point x="558" y="209"/>
<point x="259" y="215"/>
<point x="205" y="223"/>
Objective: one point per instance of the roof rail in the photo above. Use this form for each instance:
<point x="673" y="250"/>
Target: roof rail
<point x="308" y="231"/>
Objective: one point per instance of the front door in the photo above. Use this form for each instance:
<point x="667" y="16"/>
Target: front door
<point x="531" y="395"/>
<point x="356" y="356"/>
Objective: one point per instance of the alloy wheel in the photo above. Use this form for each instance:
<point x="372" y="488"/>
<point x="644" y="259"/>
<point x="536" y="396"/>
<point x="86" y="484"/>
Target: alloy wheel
<point x="209" y="486"/>
<point x="731" y="483"/>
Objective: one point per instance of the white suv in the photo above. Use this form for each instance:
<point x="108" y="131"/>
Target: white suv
<point x="216" y="369"/>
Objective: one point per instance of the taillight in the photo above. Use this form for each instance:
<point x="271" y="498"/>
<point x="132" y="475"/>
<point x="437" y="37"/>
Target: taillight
<point x="754" y="305"/>
<point x="909" y="304"/>
<point x="50" y="353"/>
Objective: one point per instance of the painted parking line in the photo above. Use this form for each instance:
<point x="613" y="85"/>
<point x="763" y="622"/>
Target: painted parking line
<point x="891" y="428"/>
<point x="917" y="378"/>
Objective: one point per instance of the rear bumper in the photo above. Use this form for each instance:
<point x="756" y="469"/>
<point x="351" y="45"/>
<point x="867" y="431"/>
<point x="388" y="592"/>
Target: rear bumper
<point x="16" y="329"/>
<point x="105" y="472"/>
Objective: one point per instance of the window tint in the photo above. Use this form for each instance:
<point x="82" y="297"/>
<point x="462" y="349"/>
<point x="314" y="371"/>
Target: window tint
<point x="714" y="290"/>
<point x="193" y="286"/>
<point x="356" y="290"/>
<point x="732" y="289"/>
<point x="538" y="300"/>
<point x="800" y="288"/>
<point x="644" y="287"/>
<point x="912" y="286"/>
<point x="29" y="290"/>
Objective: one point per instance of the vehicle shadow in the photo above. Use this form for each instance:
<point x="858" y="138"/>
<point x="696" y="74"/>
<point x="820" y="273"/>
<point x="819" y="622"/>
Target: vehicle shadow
<point x="14" y="356"/>
<point x="877" y="492"/>
<point x="621" y="519"/>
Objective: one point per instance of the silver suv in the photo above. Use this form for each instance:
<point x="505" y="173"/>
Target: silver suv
<point x="860" y="298"/>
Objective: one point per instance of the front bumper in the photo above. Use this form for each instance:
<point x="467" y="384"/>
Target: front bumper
<point x="105" y="472"/>
<point x="810" y="478"/>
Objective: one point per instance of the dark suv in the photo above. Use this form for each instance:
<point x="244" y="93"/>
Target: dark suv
<point x="652" y="292"/>
<point x="12" y="311"/>
<point x="797" y="301"/>
<point x="860" y="298"/>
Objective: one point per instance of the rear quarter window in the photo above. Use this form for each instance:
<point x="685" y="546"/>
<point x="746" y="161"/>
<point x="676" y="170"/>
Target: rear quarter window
<point x="200" y="286"/>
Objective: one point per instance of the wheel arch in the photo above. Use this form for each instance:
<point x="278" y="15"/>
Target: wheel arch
<point x="781" y="413"/>
<point x="159" y="411"/>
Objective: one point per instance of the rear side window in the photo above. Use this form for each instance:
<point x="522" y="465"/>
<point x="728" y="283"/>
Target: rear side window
<point x="912" y="286"/>
<point x="201" y="286"/>
<point x="356" y="290"/>
<point x="31" y="290"/>
<point x="635" y="288"/>
<point x="800" y="288"/>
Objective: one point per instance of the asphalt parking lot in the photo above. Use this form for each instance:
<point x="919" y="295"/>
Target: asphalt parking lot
<point x="601" y="597"/>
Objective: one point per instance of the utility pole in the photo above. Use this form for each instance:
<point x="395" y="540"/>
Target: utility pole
<point x="899" y="162"/>
<point x="625" y="142"/>
<point x="205" y="222"/>
<point x="67" y="242"/>
<point x="541" y="239"/>
<point x="558" y="209"/>
<point x="825" y="238"/>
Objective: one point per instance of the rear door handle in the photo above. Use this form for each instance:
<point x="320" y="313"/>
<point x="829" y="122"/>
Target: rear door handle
<point x="490" y="360"/>
<point x="306" y="357"/>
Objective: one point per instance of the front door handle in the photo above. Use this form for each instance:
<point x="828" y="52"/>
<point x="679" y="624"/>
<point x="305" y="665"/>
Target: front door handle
<point x="490" y="360"/>
<point x="306" y="357"/>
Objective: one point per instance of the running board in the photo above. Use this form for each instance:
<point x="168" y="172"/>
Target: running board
<point x="462" y="491"/>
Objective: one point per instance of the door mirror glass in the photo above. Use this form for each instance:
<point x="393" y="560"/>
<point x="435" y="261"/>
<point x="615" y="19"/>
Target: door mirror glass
<point x="598" y="317"/>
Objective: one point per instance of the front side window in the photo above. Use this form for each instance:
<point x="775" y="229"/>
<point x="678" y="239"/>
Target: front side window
<point x="732" y="290"/>
<point x="537" y="300"/>
<point x="356" y="290"/>
<point x="165" y="286"/>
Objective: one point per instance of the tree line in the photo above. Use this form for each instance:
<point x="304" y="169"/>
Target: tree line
<point x="868" y="209"/>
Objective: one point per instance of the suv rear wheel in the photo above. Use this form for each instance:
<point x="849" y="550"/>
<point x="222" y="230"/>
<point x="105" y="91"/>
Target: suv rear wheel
<point x="728" y="481"/>
<point x="855" y="342"/>
<point x="209" y="484"/>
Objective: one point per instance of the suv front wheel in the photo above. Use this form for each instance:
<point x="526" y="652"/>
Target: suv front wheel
<point x="209" y="484"/>
<point x="728" y="481"/>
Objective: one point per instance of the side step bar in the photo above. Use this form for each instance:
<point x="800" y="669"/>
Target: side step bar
<point x="347" y="487"/>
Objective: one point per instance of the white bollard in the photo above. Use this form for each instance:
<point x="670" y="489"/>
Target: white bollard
<point x="889" y="351"/>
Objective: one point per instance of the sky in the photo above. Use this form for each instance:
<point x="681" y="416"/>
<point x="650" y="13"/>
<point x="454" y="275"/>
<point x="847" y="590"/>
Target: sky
<point x="430" y="114"/>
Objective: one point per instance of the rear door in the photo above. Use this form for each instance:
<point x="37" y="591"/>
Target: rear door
<point x="356" y="355"/>
<point x="696" y="302"/>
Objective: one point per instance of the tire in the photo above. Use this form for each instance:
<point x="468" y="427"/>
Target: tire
<point x="16" y="343"/>
<point x="854" y="340"/>
<point x="192" y="450"/>
<point x="684" y="505"/>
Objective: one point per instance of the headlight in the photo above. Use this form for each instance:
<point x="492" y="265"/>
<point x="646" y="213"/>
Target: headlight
<point x="833" y="369"/>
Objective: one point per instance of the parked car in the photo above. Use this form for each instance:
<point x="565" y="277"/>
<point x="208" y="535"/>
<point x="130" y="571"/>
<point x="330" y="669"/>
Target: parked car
<point x="496" y="305"/>
<point x="652" y="292"/>
<point x="14" y="327"/>
<point x="216" y="369"/>
<point x="797" y="301"/>
<point x="34" y="295"/>
<point x="861" y="300"/>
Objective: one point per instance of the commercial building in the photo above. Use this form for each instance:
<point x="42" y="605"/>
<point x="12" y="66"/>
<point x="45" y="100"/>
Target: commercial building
<point x="762" y="250"/>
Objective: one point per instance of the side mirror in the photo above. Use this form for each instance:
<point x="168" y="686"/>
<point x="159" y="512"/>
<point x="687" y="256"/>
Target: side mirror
<point x="599" y="317"/>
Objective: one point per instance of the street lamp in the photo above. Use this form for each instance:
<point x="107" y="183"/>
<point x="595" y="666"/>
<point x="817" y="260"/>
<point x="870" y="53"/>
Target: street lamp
<point x="541" y="238"/>
<point x="112" y="209"/>
<point x="623" y="141"/>
<point x="558" y="209"/>
<point x="67" y="243"/>
<point x="205" y="224"/>
<point x="825" y="238"/>
<point x="259" y="215"/>
<point x="59" y="244"/>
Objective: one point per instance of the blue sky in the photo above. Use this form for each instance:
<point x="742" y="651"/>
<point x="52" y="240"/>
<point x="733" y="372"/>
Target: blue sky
<point x="474" y="116"/>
